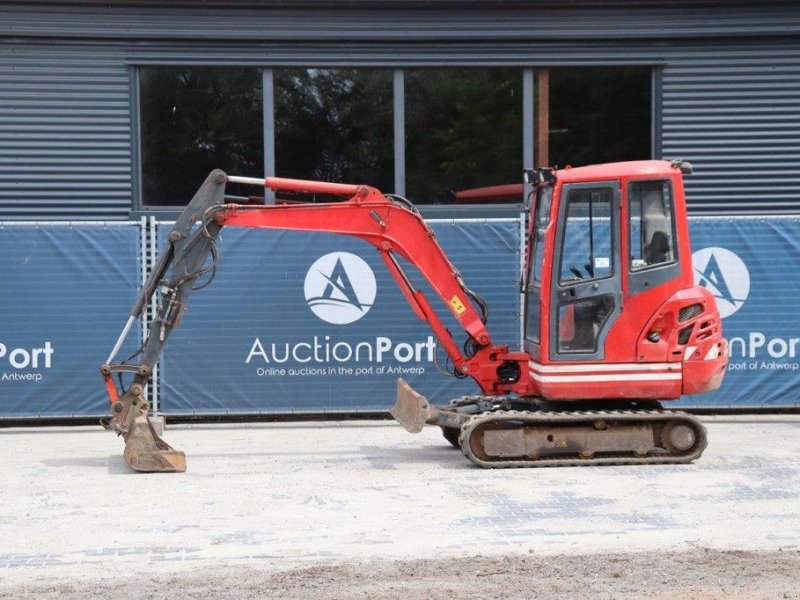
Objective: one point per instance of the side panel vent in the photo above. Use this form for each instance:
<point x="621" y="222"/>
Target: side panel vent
<point x="685" y="333"/>
<point x="687" y="312"/>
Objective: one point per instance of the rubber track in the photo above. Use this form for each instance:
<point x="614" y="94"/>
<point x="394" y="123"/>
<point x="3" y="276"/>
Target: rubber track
<point x="577" y="417"/>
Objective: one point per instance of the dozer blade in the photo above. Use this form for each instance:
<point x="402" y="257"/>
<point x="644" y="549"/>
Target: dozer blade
<point x="145" y="451"/>
<point x="411" y="409"/>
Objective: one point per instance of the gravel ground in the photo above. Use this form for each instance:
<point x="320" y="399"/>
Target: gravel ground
<point x="364" y="510"/>
<point x="700" y="574"/>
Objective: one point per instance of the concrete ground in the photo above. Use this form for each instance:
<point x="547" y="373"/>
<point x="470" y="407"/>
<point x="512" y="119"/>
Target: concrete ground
<point x="286" y="495"/>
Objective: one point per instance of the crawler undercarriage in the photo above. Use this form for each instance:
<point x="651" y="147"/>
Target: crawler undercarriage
<point x="498" y="432"/>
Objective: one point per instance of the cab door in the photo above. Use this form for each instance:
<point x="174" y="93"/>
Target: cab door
<point x="586" y="289"/>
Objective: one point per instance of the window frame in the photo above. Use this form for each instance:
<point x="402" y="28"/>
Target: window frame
<point x="534" y="283"/>
<point x="488" y="210"/>
<point x="613" y="236"/>
<point x="650" y="276"/>
<point x="673" y="228"/>
<point x="171" y="211"/>
<point x="611" y="284"/>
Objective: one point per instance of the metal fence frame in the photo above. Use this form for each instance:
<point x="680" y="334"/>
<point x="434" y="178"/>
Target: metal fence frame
<point x="148" y="253"/>
<point x="143" y="274"/>
<point x="153" y="251"/>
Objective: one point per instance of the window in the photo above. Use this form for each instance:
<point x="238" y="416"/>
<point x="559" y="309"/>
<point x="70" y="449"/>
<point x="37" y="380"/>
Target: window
<point x="335" y="125"/>
<point x="539" y="227"/>
<point x="194" y="120"/>
<point x="581" y="323"/>
<point x="540" y="220"/>
<point x="587" y="252"/>
<point x="463" y="131"/>
<point x="462" y="127"/>
<point x="652" y="233"/>
<point x="600" y="115"/>
<point x="586" y="298"/>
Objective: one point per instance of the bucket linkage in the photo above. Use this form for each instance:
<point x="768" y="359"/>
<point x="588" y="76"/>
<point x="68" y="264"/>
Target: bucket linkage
<point x="144" y="449"/>
<point x="189" y="245"/>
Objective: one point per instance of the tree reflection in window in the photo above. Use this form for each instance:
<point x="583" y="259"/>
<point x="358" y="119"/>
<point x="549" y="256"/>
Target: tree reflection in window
<point x="599" y="115"/>
<point x="335" y="125"/>
<point x="194" y="120"/>
<point x="463" y="131"/>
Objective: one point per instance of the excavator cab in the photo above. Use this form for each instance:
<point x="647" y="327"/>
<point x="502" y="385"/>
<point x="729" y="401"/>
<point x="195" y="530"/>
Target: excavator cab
<point x="611" y="307"/>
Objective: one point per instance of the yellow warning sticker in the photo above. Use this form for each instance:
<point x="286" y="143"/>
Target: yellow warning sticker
<point x="457" y="305"/>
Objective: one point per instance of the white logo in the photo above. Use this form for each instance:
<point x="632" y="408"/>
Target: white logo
<point x="725" y="275"/>
<point x="340" y="288"/>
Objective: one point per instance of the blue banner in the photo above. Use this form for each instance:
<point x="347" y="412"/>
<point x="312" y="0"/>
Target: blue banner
<point x="311" y="322"/>
<point x="64" y="295"/>
<point x="752" y="266"/>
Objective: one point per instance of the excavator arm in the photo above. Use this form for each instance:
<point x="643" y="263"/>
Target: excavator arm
<point x="188" y="262"/>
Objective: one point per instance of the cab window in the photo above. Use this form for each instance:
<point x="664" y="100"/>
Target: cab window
<point x="538" y="229"/>
<point x="651" y="224"/>
<point x="541" y="218"/>
<point x="587" y="236"/>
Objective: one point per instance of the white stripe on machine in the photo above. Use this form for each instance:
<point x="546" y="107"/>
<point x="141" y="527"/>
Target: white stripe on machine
<point x="611" y="377"/>
<point x="649" y="367"/>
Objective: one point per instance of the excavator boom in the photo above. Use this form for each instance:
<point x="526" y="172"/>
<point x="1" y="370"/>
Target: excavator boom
<point x="391" y="225"/>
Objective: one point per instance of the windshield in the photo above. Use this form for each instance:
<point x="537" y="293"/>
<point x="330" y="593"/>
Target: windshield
<point x="541" y="218"/>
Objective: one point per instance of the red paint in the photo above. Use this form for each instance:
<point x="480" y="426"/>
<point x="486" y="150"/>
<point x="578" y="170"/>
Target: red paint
<point x="392" y="228"/>
<point x="633" y="367"/>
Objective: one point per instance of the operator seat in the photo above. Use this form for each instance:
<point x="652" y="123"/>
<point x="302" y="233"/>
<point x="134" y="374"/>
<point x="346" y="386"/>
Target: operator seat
<point x="658" y="250"/>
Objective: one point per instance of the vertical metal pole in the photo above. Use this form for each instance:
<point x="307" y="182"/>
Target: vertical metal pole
<point x="542" y="117"/>
<point x="399" y="133"/>
<point x="656" y="114"/>
<point x="143" y="256"/>
<point x="155" y="400"/>
<point x="528" y="162"/>
<point x="268" y="91"/>
<point x="527" y="119"/>
<point x="523" y="252"/>
<point x="136" y="146"/>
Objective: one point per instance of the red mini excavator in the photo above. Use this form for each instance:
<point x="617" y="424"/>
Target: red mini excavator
<point x="613" y="326"/>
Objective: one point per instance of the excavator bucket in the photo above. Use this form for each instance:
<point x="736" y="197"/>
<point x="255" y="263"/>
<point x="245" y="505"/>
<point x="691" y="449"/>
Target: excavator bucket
<point x="145" y="451"/>
<point x="411" y="409"/>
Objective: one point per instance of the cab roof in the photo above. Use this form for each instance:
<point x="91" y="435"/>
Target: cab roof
<point x="618" y="170"/>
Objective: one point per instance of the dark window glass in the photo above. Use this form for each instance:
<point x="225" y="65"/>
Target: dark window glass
<point x="652" y="234"/>
<point x="194" y="120"/>
<point x="541" y="219"/>
<point x="335" y="125"/>
<point x="463" y="131"/>
<point x="587" y="236"/>
<point x="581" y="323"/>
<point x="599" y="115"/>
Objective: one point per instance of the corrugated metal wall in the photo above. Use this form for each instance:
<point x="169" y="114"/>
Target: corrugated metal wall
<point x="736" y="116"/>
<point x="730" y="82"/>
<point x="65" y="127"/>
<point x="401" y="21"/>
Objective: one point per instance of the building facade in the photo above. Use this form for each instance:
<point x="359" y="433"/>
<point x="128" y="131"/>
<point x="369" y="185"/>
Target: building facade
<point x="722" y="83"/>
